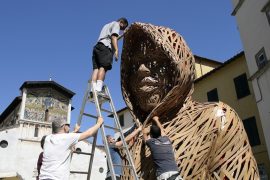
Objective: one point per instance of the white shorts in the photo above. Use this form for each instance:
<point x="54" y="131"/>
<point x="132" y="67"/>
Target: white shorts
<point x="167" y="175"/>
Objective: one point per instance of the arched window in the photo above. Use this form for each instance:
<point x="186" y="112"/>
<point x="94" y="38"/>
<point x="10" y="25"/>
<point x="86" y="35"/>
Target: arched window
<point x="46" y="115"/>
<point x="36" y="131"/>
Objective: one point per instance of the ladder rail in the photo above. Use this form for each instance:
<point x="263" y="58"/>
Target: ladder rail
<point x="116" y="121"/>
<point x="79" y="120"/>
<point x="92" y="157"/>
<point x="109" y="158"/>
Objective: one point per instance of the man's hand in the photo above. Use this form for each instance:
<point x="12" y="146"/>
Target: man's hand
<point x="76" y="128"/>
<point x="100" y="121"/>
<point x="145" y="133"/>
<point x="116" y="55"/>
<point x="156" y="119"/>
<point x="145" y="130"/>
<point x="140" y="128"/>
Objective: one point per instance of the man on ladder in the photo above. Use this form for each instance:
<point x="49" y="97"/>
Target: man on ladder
<point x="104" y="51"/>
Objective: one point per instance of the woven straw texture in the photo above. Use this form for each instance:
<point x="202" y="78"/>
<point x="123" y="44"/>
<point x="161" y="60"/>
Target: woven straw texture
<point x="157" y="74"/>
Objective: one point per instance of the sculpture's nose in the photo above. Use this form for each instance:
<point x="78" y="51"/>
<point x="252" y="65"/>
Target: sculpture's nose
<point x="143" y="69"/>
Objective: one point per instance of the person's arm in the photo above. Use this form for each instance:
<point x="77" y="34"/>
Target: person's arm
<point x="156" y="120"/>
<point x="145" y="134"/>
<point x="92" y="130"/>
<point x="129" y="137"/>
<point x="115" y="46"/>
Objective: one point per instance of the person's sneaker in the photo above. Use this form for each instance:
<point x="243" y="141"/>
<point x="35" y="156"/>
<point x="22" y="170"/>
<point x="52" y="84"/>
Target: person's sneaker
<point x="102" y="96"/>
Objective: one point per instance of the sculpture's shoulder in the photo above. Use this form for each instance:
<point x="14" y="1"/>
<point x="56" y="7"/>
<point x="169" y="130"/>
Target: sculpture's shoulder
<point x="231" y="147"/>
<point x="219" y="112"/>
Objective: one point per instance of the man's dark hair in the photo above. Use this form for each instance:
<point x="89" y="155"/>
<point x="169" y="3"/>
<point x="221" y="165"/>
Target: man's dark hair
<point x="42" y="141"/>
<point x="155" y="131"/>
<point x="123" y="20"/>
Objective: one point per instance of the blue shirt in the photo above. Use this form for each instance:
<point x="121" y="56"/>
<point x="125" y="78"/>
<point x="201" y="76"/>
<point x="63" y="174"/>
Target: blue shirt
<point x="116" y="159"/>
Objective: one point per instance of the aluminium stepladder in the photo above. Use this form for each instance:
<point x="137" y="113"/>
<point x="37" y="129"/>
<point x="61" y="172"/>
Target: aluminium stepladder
<point x="98" y="99"/>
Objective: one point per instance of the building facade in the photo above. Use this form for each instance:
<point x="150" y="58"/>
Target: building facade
<point x="27" y="119"/>
<point x="253" y="22"/>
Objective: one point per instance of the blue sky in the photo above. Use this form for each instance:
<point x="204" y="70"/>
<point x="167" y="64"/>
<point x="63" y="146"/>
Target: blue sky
<point x="39" y="39"/>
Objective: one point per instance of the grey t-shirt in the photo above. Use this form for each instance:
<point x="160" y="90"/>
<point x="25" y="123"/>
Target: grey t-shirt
<point x="107" y="31"/>
<point x="162" y="154"/>
<point x="57" y="156"/>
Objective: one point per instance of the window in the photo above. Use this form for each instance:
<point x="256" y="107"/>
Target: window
<point x="46" y="115"/>
<point x="101" y="170"/>
<point x="241" y="86"/>
<point x="212" y="95"/>
<point x="78" y="150"/>
<point x="267" y="12"/>
<point x="121" y="120"/>
<point x="36" y="131"/>
<point x="3" y="144"/>
<point x="261" y="59"/>
<point x="252" y="131"/>
<point x="266" y="9"/>
<point x="262" y="172"/>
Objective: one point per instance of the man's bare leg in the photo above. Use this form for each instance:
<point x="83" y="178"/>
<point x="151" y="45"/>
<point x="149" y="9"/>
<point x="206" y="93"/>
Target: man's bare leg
<point x="94" y="78"/>
<point x="100" y="78"/>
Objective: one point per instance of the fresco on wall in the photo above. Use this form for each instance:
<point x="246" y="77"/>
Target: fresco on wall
<point x="11" y="119"/>
<point x="38" y="100"/>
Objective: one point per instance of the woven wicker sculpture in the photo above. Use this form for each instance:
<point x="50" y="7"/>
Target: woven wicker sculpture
<point x="157" y="74"/>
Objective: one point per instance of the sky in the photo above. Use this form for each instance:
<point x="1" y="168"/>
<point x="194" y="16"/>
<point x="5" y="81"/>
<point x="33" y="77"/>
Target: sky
<point x="54" y="38"/>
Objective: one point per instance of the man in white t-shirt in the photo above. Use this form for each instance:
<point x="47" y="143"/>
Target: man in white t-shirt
<point x="58" y="148"/>
<point x="104" y="51"/>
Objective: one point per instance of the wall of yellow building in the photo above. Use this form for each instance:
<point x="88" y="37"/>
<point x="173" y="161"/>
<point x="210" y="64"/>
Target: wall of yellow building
<point x="222" y="79"/>
<point x="203" y="66"/>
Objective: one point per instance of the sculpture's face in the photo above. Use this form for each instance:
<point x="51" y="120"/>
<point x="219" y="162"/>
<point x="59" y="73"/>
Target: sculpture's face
<point x="150" y="80"/>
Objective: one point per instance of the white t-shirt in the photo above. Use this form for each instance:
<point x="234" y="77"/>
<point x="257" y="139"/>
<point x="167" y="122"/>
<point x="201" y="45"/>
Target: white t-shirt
<point x="107" y="31"/>
<point x="57" y="156"/>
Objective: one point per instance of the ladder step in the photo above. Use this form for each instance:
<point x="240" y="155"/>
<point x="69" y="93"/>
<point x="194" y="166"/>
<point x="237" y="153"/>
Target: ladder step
<point x="101" y="99"/>
<point x="107" y="111"/>
<point x="102" y="95"/>
<point x="90" y="115"/>
<point x="110" y="127"/>
<point x="78" y="152"/>
<point x="78" y="172"/>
